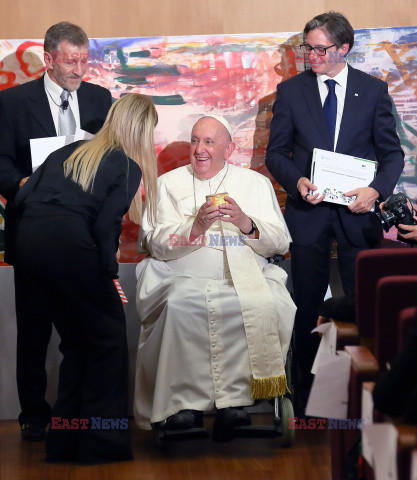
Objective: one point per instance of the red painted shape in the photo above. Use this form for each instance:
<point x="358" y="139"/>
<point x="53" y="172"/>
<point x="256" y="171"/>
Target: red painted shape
<point x="24" y="65"/>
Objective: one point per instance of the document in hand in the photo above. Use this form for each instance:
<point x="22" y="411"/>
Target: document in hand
<point x="41" y="148"/>
<point x="335" y="174"/>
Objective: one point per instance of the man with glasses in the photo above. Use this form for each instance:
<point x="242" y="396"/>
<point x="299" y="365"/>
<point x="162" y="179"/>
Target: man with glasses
<point x="335" y="107"/>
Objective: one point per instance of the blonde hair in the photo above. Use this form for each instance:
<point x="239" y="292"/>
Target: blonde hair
<point x="129" y="127"/>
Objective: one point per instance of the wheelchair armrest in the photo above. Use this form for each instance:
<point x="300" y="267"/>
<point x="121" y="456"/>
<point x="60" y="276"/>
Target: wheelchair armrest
<point x="277" y="259"/>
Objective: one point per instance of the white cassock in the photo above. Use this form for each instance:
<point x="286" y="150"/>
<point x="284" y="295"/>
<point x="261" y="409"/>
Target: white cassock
<point x="193" y="349"/>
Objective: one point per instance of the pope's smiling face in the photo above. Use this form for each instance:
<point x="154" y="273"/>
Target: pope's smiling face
<point x="210" y="147"/>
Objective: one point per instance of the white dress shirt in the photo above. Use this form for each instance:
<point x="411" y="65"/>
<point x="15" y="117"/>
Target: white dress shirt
<point x="341" y="82"/>
<point x="53" y="92"/>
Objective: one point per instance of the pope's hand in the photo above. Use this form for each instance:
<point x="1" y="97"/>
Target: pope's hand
<point x="235" y="215"/>
<point x="206" y="216"/>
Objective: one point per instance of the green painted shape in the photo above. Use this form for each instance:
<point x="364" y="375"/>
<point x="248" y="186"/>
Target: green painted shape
<point x="151" y="70"/>
<point x="140" y="54"/>
<point x="131" y="80"/>
<point x="121" y="56"/>
<point x="168" y="100"/>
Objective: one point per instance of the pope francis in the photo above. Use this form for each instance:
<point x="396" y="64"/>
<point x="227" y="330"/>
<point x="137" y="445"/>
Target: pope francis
<point x="216" y="316"/>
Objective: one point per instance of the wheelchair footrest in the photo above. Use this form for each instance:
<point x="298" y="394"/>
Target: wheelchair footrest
<point x="256" y="431"/>
<point x="176" y="435"/>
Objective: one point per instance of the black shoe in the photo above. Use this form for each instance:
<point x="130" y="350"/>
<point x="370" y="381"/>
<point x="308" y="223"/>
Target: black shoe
<point x="184" y="420"/>
<point x="226" y="420"/>
<point x="32" y="432"/>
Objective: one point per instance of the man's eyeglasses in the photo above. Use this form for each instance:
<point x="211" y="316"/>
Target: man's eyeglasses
<point x="321" y="51"/>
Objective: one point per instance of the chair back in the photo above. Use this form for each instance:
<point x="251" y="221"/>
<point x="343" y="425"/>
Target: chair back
<point x="406" y="319"/>
<point x="394" y="294"/>
<point x="371" y="265"/>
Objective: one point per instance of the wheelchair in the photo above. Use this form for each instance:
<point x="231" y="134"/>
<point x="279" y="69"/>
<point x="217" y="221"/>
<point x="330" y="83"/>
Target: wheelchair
<point x="283" y="411"/>
<point x="282" y="407"/>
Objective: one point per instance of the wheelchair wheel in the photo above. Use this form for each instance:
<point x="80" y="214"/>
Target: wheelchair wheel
<point x="288" y="369"/>
<point x="286" y="411"/>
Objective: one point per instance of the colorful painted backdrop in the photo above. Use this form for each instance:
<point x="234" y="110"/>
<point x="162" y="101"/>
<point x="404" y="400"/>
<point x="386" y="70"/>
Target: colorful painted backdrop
<point x="231" y="75"/>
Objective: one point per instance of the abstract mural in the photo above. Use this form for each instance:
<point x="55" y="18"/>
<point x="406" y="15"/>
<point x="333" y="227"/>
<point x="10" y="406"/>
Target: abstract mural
<point x="231" y="75"/>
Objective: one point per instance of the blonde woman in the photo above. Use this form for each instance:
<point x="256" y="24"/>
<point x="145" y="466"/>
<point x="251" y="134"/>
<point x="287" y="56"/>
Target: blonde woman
<point x="66" y="244"/>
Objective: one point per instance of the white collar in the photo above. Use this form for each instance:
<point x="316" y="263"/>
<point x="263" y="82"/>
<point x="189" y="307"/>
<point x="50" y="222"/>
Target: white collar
<point x="219" y="175"/>
<point x="340" y="78"/>
<point x="53" y="89"/>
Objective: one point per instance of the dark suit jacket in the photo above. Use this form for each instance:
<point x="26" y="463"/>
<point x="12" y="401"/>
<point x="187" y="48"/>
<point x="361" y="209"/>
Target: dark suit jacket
<point x="115" y="184"/>
<point x="367" y="130"/>
<point x="25" y="114"/>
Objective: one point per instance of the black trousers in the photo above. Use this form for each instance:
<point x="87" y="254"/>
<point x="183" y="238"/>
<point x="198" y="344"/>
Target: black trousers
<point x="61" y="282"/>
<point x="33" y="335"/>
<point x="310" y="267"/>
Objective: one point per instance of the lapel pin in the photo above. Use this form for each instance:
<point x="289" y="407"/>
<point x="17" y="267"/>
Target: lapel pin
<point x="356" y="95"/>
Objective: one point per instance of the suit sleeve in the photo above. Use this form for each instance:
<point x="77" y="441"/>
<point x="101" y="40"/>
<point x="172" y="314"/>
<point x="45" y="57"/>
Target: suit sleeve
<point x="388" y="149"/>
<point x="94" y="102"/>
<point x="124" y="177"/>
<point x="280" y="147"/>
<point x="10" y="175"/>
<point x="29" y="186"/>
<point x="107" y="102"/>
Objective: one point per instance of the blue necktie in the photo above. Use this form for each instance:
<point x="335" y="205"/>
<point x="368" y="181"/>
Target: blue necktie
<point x="330" y="109"/>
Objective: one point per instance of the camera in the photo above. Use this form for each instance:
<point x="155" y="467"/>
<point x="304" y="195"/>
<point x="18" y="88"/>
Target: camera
<point x="395" y="211"/>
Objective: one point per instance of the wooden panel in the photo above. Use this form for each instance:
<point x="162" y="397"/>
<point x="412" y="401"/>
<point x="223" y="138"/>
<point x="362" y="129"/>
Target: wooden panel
<point x="107" y="18"/>
<point x="381" y="13"/>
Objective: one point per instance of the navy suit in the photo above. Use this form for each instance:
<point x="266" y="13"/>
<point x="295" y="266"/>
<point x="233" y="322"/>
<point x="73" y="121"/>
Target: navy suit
<point x="298" y="126"/>
<point x="24" y="114"/>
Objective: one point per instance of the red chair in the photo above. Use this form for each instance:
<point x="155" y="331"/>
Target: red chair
<point x="393" y="295"/>
<point x="405" y="320"/>
<point x="399" y="326"/>
<point x="372" y="265"/>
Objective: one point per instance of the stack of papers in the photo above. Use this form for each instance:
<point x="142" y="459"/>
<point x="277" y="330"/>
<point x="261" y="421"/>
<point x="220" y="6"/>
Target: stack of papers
<point x="41" y="148"/>
<point x="335" y="174"/>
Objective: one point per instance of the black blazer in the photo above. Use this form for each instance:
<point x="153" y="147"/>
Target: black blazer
<point x="115" y="184"/>
<point x="25" y="114"/>
<point x="367" y="130"/>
